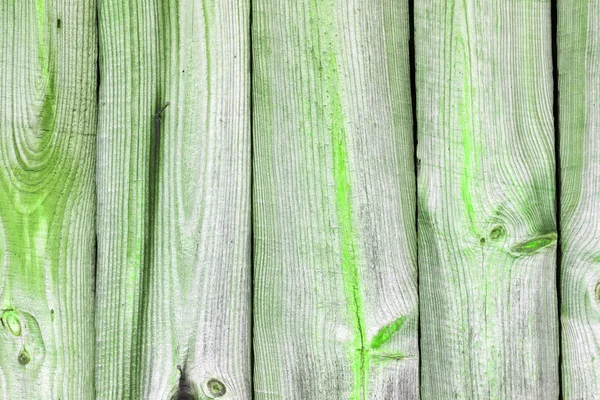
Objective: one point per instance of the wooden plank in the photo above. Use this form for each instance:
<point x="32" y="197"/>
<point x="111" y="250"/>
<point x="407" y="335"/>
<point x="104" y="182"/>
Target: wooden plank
<point x="174" y="211"/>
<point x="335" y="303"/>
<point x="48" y="55"/>
<point x="486" y="200"/>
<point x="578" y="40"/>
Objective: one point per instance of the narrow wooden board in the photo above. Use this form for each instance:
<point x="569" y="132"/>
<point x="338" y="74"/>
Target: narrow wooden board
<point x="48" y="55"/>
<point x="578" y="40"/>
<point x="486" y="200"/>
<point x="335" y="300"/>
<point x="174" y="200"/>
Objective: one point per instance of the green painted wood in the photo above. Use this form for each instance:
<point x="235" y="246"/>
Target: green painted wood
<point x="173" y="316"/>
<point x="48" y="54"/>
<point x="335" y="299"/>
<point x="578" y="40"/>
<point x="486" y="200"/>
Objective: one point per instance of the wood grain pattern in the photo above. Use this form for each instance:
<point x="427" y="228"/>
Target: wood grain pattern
<point x="48" y="54"/>
<point x="578" y="40"/>
<point x="335" y="301"/>
<point x="174" y="212"/>
<point x="486" y="200"/>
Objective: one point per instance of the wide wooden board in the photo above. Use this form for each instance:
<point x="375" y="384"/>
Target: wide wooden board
<point x="48" y="80"/>
<point x="174" y="312"/>
<point x="335" y="299"/>
<point x="486" y="200"/>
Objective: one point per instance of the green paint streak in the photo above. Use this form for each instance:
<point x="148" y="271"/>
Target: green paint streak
<point x="386" y="332"/>
<point x="535" y="244"/>
<point x="206" y="15"/>
<point x="322" y="53"/>
<point x="48" y="108"/>
<point x="466" y="129"/>
<point x="349" y="262"/>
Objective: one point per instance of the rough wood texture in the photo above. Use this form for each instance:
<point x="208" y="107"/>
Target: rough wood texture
<point x="578" y="41"/>
<point x="486" y="200"/>
<point x="174" y="211"/>
<point x="335" y="303"/>
<point x="48" y="55"/>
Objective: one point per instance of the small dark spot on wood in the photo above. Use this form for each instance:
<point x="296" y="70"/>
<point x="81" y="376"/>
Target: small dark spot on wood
<point x="58" y="23"/>
<point x="482" y="240"/>
<point x="23" y="357"/>
<point x="216" y="387"/>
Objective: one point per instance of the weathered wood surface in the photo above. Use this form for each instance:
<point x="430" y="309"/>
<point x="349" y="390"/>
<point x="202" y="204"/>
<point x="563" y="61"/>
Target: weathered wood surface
<point x="486" y="200"/>
<point x="173" y="315"/>
<point x="48" y="56"/>
<point x="578" y="41"/>
<point x="335" y="301"/>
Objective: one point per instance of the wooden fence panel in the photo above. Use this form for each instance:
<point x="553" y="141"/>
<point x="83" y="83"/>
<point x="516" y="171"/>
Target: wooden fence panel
<point x="174" y="200"/>
<point x="578" y="40"/>
<point x="486" y="200"/>
<point x="335" y="300"/>
<point x="48" y="79"/>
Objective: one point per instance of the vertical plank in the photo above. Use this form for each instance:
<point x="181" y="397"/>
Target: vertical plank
<point x="335" y="303"/>
<point x="48" y="55"/>
<point x="174" y="200"/>
<point x="578" y="40"/>
<point x="486" y="200"/>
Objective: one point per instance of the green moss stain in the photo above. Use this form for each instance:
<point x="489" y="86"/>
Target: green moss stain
<point x="534" y="245"/>
<point x="386" y="332"/>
